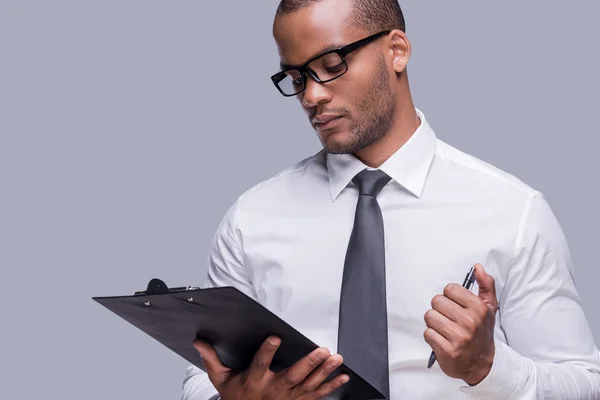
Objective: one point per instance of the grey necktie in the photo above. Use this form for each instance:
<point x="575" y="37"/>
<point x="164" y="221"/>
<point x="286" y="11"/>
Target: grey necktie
<point x="362" y="335"/>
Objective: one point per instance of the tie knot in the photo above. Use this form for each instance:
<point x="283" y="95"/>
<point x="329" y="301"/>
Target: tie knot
<point x="370" y="182"/>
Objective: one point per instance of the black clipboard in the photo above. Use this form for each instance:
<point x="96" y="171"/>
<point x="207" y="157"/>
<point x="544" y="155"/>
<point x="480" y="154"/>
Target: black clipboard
<point x="235" y="324"/>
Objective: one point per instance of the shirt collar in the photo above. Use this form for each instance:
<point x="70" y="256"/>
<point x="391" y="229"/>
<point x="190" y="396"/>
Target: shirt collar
<point x="408" y="166"/>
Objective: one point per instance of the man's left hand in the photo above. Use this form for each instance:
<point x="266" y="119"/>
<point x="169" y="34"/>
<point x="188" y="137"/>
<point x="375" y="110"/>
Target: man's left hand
<point x="460" y="329"/>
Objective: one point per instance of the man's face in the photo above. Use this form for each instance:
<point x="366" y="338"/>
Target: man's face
<point x="362" y="100"/>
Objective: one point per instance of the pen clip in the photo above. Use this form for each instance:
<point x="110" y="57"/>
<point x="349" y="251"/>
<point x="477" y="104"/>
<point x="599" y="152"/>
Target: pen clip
<point x="469" y="279"/>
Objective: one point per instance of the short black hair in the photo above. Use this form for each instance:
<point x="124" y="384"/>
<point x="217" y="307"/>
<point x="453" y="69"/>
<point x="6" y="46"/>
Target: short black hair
<point x="370" y="15"/>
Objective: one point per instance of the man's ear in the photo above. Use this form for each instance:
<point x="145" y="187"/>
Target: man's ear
<point x="400" y="50"/>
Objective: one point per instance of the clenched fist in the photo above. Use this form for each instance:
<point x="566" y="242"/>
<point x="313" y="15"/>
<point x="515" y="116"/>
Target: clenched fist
<point x="460" y="329"/>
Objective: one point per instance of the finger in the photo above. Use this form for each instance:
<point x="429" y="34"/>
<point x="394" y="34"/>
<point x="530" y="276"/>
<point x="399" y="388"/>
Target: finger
<point x="463" y="317"/>
<point x="439" y="344"/>
<point x="319" y="375"/>
<point x="295" y="374"/>
<point x="441" y="324"/>
<point x="461" y="296"/>
<point x="487" y="288"/>
<point x="329" y="387"/>
<point x="216" y="371"/>
<point x="447" y="307"/>
<point x="264" y="356"/>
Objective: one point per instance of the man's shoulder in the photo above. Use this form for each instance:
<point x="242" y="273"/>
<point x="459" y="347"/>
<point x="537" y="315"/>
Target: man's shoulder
<point x="473" y="167"/>
<point x="263" y="198"/>
<point x="306" y="171"/>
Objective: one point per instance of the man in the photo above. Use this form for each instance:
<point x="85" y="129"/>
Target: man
<point x="362" y="247"/>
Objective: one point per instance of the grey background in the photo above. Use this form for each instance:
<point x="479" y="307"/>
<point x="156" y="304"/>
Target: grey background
<point x="118" y="119"/>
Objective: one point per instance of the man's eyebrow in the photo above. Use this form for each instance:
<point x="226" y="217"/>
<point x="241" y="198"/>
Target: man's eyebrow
<point x="283" y="65"/>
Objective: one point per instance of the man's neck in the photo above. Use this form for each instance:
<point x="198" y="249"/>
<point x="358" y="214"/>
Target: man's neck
<point x="405" y="125"/>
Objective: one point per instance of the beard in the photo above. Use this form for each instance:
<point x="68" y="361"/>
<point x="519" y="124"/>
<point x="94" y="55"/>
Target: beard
<point x="375" y="109"/>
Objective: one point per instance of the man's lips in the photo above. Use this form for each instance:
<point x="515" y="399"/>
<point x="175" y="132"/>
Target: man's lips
<point x="323" y="121"/>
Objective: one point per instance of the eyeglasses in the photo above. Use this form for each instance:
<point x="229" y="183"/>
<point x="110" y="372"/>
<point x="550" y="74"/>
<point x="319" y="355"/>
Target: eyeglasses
<point x="322" y="68"/>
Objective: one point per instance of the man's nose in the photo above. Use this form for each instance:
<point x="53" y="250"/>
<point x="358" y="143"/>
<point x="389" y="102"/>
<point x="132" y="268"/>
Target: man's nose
<point x="315" y="93"/>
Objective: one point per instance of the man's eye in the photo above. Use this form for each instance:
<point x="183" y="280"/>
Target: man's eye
<point x="334" y="68"/>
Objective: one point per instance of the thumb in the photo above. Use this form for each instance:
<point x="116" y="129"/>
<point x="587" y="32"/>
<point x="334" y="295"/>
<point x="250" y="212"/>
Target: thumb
<point x="217" y="372"/>
<point x="487" y="288"/>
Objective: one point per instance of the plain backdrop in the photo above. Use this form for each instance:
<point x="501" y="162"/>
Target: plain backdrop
<point x="127" y="128"/>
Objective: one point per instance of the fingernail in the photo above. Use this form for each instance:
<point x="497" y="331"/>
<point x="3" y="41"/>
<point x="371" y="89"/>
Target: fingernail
<point x="345" y="378"/>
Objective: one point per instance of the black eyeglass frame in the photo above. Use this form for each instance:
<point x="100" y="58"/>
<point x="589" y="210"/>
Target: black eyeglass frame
<point x="304" y="69"/>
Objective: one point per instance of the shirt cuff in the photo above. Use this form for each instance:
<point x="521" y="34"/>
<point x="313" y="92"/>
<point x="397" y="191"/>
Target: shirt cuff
<point x="507" y="374"/>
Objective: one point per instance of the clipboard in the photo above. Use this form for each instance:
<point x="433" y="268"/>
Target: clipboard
<point x="235" y="324"/>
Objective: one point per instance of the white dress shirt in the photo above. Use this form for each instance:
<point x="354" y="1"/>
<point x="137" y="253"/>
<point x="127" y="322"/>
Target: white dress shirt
<point x="283" y="243"/>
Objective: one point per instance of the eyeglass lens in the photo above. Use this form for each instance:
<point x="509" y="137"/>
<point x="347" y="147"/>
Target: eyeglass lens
<point x="327" y="67"/>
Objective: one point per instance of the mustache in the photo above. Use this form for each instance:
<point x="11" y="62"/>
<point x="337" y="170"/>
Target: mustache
<point x="334" y="111"/>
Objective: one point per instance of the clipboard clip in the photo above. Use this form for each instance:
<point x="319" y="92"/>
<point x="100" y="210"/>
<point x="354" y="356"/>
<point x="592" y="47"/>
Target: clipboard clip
<point x="157" y="286"/>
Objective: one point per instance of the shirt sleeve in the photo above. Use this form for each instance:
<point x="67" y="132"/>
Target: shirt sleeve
<point x="225" y="268"/>
<point x="550" y="351"/>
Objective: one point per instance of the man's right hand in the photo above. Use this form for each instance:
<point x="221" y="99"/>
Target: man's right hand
<point x="305" y="380"/>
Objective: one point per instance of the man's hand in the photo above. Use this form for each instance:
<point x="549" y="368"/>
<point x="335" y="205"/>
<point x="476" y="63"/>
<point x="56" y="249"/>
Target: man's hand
<point x="305" y="380"/>
<point x="461" y="329"/>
